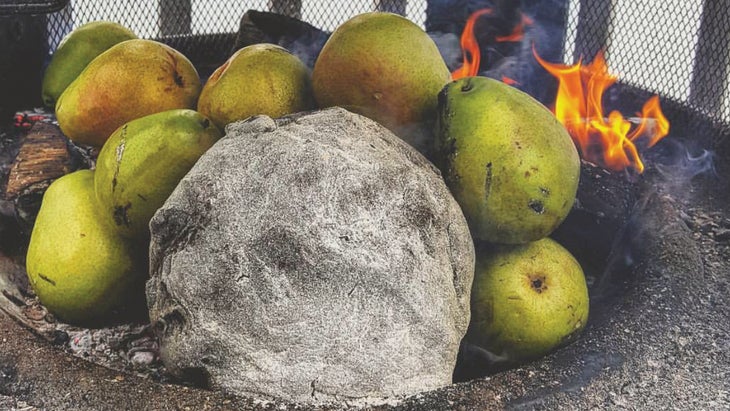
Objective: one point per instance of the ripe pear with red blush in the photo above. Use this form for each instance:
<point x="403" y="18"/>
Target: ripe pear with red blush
<point x="132" y="79"/>
<point x="258" y="79"/>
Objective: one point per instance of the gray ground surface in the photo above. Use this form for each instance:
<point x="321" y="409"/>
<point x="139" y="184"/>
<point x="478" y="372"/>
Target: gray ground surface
<point x="657" y="338"/>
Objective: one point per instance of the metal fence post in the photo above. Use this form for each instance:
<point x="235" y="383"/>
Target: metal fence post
<point x="710" y="71"/>
<point x="291" y="8"/>
<point x="392" y="6"/>
<point x="594" y="20"/>
<point x="174" y="17"/>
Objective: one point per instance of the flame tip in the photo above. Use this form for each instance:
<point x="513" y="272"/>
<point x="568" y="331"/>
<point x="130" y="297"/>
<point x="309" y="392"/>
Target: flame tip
<point x="608" y="141"/>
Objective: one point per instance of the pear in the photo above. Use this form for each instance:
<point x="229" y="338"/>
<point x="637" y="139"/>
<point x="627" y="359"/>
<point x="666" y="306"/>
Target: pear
<point x="76" y="51"/>
<point x="130" y="80"/>
<point x="385" y="67"/>
<point x="79" y="268"/>
<point x="143" y="161"/>
<point x="511" y="166"/>
<point x="527" y="300"/>
<point x="258" y="79"/>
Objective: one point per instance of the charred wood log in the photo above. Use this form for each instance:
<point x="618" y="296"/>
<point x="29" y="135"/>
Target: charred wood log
<point x="43" y="155"/>
<point x="301" y="39"/>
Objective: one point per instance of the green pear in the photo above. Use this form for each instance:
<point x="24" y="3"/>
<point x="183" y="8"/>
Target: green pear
<point x="511" y="166"/>
<point x="132" y="79"/>
<point x="78" y="266"/>
<point x="76" y="51"/>
<point x="383" y="66"/>
<point x="143" y="161"/>
<point x="258" y="79"/>
<point x="527" y="300"/>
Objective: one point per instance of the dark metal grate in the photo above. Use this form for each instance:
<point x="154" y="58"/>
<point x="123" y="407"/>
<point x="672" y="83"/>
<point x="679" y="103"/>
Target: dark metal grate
<point x="9" y="7"/>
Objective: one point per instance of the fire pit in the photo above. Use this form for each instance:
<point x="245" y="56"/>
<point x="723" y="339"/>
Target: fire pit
<point x="655" y="246"/>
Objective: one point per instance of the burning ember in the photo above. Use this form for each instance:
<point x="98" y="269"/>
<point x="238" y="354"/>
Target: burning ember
<point x="606" y="141"/>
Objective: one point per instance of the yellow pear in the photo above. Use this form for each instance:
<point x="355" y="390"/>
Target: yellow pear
<point x="143" y="161"/>
<point x="76" y="51"/>
<point x="383" y="66"/>
<point x="258" y="79"/>
<point x="527" y="300"/>
<point x="132" y="79"/>
<point x="510" y="164"/>
<point x="78" y="266"/>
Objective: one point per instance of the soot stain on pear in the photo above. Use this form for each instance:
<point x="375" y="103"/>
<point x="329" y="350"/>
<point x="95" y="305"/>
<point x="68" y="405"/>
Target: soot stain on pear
<point x="121" y="214"/>
<point x="45" y="278"/>
<point x="178" y="79"/>
<point x="536" y="206"/>
<point x="175" y="74"/>
<point x="488" y="181"/>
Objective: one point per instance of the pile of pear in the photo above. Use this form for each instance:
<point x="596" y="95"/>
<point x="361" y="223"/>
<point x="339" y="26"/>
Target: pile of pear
<point x="141" y="105"/>
<point x="514" y="170"/>
<point x="87" y="256"/>
<point x="510" y="165"/>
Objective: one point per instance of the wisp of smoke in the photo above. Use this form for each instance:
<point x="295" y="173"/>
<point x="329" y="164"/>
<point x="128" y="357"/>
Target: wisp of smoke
<point x="678" y="163"/>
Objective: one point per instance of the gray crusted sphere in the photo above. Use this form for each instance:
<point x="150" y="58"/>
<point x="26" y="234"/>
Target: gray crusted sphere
<point x="313" y="258"/>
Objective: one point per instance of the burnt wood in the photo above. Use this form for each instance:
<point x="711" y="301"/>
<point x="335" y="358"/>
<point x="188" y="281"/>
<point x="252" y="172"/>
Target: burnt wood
<point x="301" y="38"/>
<point x="43" y="155"/>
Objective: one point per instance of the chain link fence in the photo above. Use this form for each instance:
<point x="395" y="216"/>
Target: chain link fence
<point x="679" y="49"/>
<point x="217" y="18"/>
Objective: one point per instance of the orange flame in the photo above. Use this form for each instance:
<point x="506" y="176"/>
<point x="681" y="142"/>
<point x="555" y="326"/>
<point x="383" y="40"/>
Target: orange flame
<point x="518" y="33"/>
<point x="510" y="81"/>
<point x="606" y="141"/>
<point x="470" y="47"/>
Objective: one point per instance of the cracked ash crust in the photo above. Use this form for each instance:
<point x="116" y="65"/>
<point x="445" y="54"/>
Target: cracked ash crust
<point x="333" y="238"/>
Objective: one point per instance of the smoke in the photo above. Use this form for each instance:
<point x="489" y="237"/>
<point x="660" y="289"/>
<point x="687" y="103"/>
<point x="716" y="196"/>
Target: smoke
<point x="449" y="47"/>
<point x="543" y="26"/>
<point x="307" y="47"/>
<point x="678" y="162"/>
